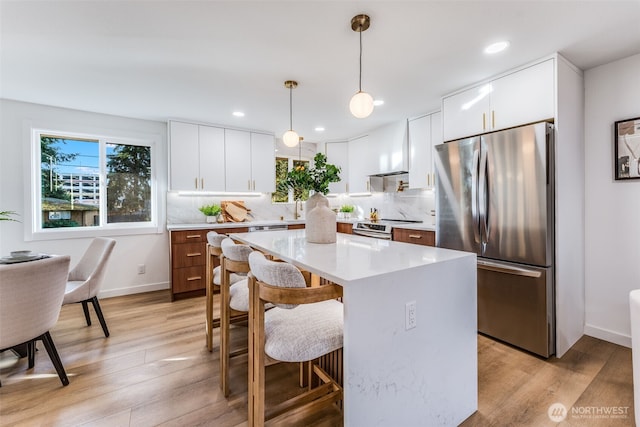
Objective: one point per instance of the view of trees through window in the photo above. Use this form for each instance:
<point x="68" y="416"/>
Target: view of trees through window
<point x="283" y="165"/>
<point x="73" y="172"/>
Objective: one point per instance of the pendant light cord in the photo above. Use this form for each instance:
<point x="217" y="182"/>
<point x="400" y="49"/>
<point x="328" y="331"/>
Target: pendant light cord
<point x="290" y="108"/>
<point x="360" y="74"/>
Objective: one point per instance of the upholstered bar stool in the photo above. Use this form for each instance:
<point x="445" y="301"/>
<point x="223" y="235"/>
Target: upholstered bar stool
<point x="213" y="279"/>
<point x="234" y="301"/>
<point x="306" y="324"/>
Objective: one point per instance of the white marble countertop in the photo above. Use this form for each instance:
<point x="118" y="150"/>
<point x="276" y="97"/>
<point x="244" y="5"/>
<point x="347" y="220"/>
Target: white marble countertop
<point x="204" y="225"/>
<point x="351" y="258"/>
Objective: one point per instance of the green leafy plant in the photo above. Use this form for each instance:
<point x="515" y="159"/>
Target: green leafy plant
<point x="6" y="216"/>
<point x="317" y="178"/>
<point x="347" y="208"/>
<point x="210" y="210"/>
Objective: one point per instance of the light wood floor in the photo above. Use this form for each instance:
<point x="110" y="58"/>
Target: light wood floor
<point x="155" y="370"/>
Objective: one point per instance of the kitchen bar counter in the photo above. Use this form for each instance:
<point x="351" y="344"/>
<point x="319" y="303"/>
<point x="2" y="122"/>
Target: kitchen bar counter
<point x="426" y="375"/>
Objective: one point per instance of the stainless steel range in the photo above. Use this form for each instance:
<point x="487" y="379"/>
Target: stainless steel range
<point x="379" y="229"/>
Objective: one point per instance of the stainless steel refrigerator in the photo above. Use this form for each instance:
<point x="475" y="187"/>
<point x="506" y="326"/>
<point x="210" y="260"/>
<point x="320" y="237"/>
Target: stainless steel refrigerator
<point x="495" y="197"/>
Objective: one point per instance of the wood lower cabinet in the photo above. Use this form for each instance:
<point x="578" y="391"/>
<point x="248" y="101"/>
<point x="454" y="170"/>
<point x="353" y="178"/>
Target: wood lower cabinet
<point x="188" y="260"/>
<point x="345" y="227"/>
<point x="295" y="226"/>
<point x="419" y="237"/>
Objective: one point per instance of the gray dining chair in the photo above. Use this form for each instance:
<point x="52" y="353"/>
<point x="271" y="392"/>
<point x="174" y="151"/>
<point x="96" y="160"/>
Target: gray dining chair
<point x="86" y="278"/>
<point x="31" y="296"/>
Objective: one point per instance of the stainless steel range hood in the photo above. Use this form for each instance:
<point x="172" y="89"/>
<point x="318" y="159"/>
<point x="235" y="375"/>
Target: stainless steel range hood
<point x="389" y="182"/>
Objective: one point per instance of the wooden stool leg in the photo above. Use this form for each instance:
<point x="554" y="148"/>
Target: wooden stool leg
<point x="209" y="301"/>
<point x="224" y="330"/>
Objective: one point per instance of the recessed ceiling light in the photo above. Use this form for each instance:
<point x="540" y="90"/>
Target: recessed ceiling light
<point x="496" y="47"/>
<point x="238" y="113"/>
<point x="319" y="129"/>
<point x="378" y="102"/>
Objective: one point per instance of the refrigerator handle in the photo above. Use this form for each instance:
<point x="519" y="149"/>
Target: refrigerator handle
<point x="501" y="268"/>
<point x="474" y="195"/>
<point x="483" y="197"/>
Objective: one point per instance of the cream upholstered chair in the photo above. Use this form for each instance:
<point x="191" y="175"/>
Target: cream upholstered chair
<point x="213" y="280"/>
<point x="306" y="324"/>
<point x="234" y="301"/>
<point x="86" y="278"/>
<point x="634" y="309"/>
<point x="31" y="296"/>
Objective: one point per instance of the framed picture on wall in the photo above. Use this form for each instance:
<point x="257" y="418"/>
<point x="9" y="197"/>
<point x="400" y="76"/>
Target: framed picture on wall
<point x="627" y="149"/>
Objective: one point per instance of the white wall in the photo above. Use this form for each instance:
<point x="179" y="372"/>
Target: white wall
<point x="612" y="93"/>
<point x="149" y="249"/>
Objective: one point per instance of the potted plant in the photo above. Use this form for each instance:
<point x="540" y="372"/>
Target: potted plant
<point x="321" y="221"/>
<point x="316" y="179"/>
<point x="212" y="212"/>
<point x="346" y="210"/>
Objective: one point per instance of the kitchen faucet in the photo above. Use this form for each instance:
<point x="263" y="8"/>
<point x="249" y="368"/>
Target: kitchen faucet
<point x="296" y="214"/>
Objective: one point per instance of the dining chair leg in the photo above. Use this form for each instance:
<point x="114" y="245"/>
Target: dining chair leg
<point x="55" y="358"/>
<point x="31" y="353"/>
<point x="103" y="323"/>
<point x="209" y="320"/>
<point x="85" y="308"/>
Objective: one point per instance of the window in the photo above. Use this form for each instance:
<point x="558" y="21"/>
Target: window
<point x="283" y="166"/>
<point x="86" y="182"/>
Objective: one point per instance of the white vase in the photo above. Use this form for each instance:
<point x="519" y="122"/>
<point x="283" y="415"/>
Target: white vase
<point x="211" y="219"/>
<point x="320" y="221"/>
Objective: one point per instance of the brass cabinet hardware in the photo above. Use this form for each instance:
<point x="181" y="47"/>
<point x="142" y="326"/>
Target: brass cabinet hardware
<point x="493" y="119"/>
<point x="193" y="236"/>
<point x="196" y="182"/>
<point x="484" y="121"/>
<point x="202" y="183"/>
<point x="194" y="254"/>
<point x="415" y="236"/>
<point x="191" y="279"/>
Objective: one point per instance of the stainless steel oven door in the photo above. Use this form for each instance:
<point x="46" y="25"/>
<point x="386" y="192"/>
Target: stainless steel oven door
<point x="375" y="235"/>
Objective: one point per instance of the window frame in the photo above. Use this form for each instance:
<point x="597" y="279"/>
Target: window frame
<point x="290" y="160"/>
<point x="35" y="231"/>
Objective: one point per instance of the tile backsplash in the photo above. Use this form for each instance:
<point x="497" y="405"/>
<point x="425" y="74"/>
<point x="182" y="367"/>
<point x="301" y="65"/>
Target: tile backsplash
<point x="408" y="204"/>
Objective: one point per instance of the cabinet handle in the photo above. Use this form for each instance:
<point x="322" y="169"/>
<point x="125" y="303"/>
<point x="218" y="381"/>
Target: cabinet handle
<point x="254" y="185"/>
<point x="194" y="254"/>
<point x="193" y="236"/>
<point x="428" y="180"/>
<point x="493" y="120"/>
<point x="249" y="184"/>
<point x="484" y="126"/>
<point x="202" y="183"/>
<point x="191" y="279"/>
<point x="415" y="236"/>
<point x="368" y="186"/>
<point x="196" y="183"/>
<point x="346" y="187"/>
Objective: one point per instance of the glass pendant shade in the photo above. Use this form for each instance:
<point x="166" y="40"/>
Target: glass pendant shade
<point x="290" y="138"/>
<point x="361" y="105"/>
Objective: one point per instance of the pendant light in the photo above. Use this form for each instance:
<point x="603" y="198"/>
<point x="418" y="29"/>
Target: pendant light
<point x="290" y="137"/>
<point x="361" y="104"/>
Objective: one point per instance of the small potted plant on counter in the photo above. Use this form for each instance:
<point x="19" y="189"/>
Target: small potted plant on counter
<point x="346" y="211"/>
<point x="211" y="211"/>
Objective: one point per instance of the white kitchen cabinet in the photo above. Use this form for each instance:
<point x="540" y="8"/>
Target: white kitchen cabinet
<point x="263" y="163"/>
<point x="424" y="133"/>
<point x="250" y="161"/>
<point x="196" y="157"/>
<point x="338" y="154"/>
<point x="362" y="163"/>
<point x="524" y="96"/>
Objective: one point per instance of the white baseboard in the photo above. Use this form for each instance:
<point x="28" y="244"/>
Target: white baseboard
<point x="607" y="335"/>
<point x="149" y="287"/>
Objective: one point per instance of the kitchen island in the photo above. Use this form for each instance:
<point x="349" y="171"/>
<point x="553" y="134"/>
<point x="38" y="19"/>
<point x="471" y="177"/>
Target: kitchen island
<point x="396" y="374"/>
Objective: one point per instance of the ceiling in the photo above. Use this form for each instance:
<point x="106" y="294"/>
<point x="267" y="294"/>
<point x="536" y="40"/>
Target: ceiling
<point x="202" y="60"/>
